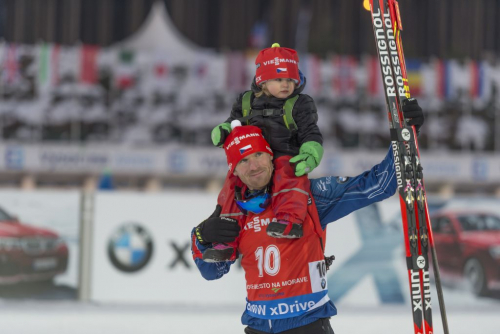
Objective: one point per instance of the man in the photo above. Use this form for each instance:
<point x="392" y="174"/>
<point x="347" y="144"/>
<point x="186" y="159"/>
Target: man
<point x="294" y="268"/>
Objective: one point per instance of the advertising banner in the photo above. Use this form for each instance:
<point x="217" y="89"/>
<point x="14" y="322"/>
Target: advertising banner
<point x="174" y="160"/>
<point x="77" y="159"/>
<point x="39" y="244"/>
<point x="141" y="252"/>
<point x="370" y="265"/>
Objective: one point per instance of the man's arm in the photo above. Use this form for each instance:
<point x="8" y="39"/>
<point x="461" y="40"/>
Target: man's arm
<point x="209" y="271"/>
<point x="336" y="197"/>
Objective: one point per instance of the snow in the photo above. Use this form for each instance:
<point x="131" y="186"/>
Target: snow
<point x="84" y="318"/>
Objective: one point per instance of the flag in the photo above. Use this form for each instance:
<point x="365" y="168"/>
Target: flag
<point x="312" y="72"/>
<point x="458" y="79"/>
<point x="258" y="35"/>
<point x="236" y="77"/>
<point x="125" y="71"/>
<point x="375" y="84"/>
<point x="43" y="65"/>
<point x="54" y="68"/>
<point x="443" y="78"/>
<point x="414" y="73"/>
<point x="11" y="65"/>
<point x="429" y="76"/>
<point x="48" y="65"/>
<point x="88" y="64"/>
<point x="67" y="59"/>
<point x="344" y="75"/>
<point x="478" y="79"/>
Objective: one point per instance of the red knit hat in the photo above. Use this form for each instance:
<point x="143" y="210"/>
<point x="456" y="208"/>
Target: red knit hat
<point x="277" y="62"/>
<point x="243" y="141"/>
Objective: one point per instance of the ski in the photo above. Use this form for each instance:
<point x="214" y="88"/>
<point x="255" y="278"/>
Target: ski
<point x="427" y="241"/>
<point x="415" y="217"/>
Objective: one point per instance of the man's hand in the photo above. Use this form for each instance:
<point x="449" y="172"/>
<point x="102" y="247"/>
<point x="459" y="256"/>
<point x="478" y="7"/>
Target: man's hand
<point x="220" y="133"/>
<point x="217" y="229"/>
<point x="413" y="113"/>
<point x="309" y="157"/>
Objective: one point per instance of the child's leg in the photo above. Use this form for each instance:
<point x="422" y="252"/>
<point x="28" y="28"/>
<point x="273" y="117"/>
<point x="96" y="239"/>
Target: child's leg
<point x="290" y="200"/>
<point x="225" y="251"/>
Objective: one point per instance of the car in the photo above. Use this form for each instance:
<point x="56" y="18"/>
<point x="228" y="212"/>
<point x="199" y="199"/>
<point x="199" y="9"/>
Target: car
<point x="28" y="253"/>
<point x="468" y="248"/>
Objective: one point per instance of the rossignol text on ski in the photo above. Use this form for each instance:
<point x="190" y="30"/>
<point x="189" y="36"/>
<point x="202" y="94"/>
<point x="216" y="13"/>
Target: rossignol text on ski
<point x="415" y="215"/>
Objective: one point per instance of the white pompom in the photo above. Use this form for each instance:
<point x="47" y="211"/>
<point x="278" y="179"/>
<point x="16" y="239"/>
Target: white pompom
<point x="235" y="123"/>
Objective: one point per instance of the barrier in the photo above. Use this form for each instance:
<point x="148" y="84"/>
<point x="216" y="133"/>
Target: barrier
<point x="172" y="161"/>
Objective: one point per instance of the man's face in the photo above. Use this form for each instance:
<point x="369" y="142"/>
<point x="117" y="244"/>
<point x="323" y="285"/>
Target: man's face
<point x="255" y="170"/>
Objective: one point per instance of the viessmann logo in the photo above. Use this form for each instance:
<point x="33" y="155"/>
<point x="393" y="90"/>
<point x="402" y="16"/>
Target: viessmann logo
<point x="130" y="248"/>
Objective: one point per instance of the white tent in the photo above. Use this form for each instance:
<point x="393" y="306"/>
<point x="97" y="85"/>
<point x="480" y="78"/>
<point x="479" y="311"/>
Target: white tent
<point x="158" y="33"/>
<point x="158" y="41"/>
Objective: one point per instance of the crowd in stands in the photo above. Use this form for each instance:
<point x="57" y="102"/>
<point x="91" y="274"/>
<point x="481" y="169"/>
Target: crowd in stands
<point x="87" y="95"/>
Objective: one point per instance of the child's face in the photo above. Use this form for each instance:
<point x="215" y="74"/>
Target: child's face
<point x="280" y="88"/>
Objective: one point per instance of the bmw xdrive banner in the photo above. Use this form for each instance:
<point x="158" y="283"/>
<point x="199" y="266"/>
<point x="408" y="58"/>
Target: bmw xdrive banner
<point x="141" y="252"/>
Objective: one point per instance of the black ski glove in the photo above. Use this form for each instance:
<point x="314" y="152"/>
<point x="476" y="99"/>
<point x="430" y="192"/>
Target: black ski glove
<point x="217" y="229"/>
<point x="413" y="113"/>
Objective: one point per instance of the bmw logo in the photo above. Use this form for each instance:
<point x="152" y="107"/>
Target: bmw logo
<point x="323" y="283"/>
<point x="342" y="179"/>
<point x="130" y="248"/>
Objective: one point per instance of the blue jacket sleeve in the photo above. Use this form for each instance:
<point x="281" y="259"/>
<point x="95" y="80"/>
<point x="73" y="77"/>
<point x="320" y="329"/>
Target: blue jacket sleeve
<point x="209" y="271"/>
<point x="336" y="197"/>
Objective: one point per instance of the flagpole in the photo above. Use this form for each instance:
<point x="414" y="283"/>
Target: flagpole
<point x="496" y="129"/>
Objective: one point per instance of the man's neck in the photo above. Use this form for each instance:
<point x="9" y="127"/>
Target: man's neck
<point x="250" y="191"/>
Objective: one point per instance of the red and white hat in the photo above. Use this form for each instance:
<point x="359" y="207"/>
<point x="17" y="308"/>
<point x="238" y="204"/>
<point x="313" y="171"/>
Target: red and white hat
<point x="277" y="62"/>
<point x="243" y="141"/>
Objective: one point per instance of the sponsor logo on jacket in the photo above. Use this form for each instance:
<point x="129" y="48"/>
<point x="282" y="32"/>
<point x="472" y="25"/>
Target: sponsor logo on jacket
<point x="282" y="308"/>
<point x="257" y="223"/>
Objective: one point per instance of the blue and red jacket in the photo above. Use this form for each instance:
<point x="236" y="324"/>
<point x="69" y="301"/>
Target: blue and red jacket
<point x="307" y="301"/>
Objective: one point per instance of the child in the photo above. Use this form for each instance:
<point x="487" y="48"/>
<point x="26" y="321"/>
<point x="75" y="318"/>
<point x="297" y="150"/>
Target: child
<point x="288" y="121"/>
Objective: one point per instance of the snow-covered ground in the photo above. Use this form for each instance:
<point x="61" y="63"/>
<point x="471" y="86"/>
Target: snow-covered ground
<point x="80" y="318"/>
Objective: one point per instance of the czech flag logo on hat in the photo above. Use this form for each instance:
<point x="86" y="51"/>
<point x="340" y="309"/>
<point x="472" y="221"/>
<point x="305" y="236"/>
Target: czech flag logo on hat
<point x="246" y="149"/>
